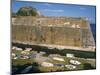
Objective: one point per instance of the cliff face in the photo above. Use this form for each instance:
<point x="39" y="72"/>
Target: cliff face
<point x="53" y="30"/>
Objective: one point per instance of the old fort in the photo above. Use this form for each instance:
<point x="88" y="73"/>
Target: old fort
<point x="69" y="32"/>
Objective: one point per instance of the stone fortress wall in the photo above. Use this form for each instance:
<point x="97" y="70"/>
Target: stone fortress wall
<point x="66" y="31"/>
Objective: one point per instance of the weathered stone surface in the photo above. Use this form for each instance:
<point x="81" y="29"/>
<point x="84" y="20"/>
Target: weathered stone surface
<point x="64" y="31"/>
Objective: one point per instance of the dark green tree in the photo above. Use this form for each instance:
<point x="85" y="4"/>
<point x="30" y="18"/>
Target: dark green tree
<point x="27" y="11"/>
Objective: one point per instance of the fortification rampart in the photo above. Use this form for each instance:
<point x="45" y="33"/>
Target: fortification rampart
<point x="64" y="31"/>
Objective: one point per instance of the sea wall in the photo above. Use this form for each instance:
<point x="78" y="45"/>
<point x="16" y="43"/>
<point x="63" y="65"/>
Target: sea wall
<point x="52" y="30"/>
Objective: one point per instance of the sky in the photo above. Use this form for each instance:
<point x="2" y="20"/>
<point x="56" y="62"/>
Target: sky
<point x="55" y="9"/>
